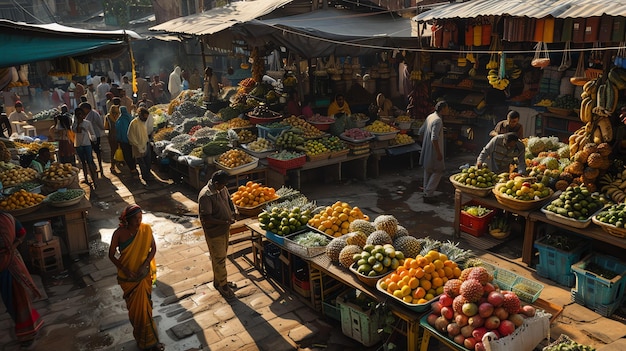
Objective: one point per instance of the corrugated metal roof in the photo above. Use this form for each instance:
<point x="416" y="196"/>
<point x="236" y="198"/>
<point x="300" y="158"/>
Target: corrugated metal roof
<point x="526" y="8"/>
<point x="221" y="18"/>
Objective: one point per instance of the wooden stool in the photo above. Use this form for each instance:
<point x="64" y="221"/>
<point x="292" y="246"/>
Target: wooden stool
<point x="46" y="257"/>
<point x="29" y="130"/>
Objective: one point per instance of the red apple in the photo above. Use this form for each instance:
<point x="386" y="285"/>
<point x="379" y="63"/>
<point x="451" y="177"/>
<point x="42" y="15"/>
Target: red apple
<point x="436" y="307"/>
<point x="476" y="321"/>
<point x="485" y="309"/>
<point x="479" y="332"/>
<point x="469" y="343"/>
<point x="495" y="298"/>
<point x="445" y="300"/>
<point x="447" y="312"/>
<point x="501" y="313"/>
<point x="461" y="319"/>
<point x="432" y="318"/>
<point x="453" y="329"/>
<point x="506" y="327"/>
<point x="528" y="310"/>
<point x="517" y="319"/>
<point x="492" y="322"/>
<point x="479" y="346"/>
<point x="487" y="288"/>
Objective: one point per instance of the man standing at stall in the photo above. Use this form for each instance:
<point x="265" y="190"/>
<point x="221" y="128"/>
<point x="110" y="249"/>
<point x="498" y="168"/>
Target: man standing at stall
<point x="139" y="139"/>
<point x="101" y="91"/>
<point x="431" y="157"/>
<point x="217" y="213"/>
<point x="97" y="122"/>
<point x="510" y="124"/>
<point x="501" y="152"/>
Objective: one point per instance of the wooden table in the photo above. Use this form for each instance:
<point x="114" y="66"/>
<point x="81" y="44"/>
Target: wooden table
<point x="322" y="264"/>
<point x="74" y="218"/>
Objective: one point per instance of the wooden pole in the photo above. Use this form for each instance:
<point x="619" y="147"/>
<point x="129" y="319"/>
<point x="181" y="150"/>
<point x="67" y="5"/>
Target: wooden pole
<point x="202" y="51"/>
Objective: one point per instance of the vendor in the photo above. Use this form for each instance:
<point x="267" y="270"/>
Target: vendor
<point x="501" y="152"/>
<point x="42" y="161"/>
<point x="339" y="105"/>
<point x="385" y="107"/>
<point x="509" y="125"/>
<point x="293" y="107"/>
<point x="18" y="117"/>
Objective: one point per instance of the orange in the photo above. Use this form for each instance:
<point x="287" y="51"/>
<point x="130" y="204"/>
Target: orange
<point x="422" y="261"/>
<point x="424" y="283"/>
<point x="441" y="273"/>
<point x="384" y="285"/>
<point x="419" y="273"/>
<point x="393" y="286"/>
<point x="394" y="277"/>
<point x="414" y="283"/>
<point x="419" y="292"/>
<point x="407" y="262"/>
<point x="406" y="290"/>
<point x="438" y="264"/>
<point x="456" y="271"/>
<point x="429" y="268"/>
<point x="437" y="282"/>
<point x="407" y="299"/>
<point x="421" y="301"/>
<point x="448" y="272"/>
<point x="398" y="294"/>
<point x="413" y="262"/>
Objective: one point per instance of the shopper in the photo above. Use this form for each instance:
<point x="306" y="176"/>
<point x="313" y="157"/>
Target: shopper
<point x="293" y="107"/>
<point x="217" y="213"/>
<point x="339" y="105"/>
<point x="42" y="161"/>
<point x="84" y="137"/>
<point x="97" y="123"/>
<point x="431" y="157"/>
<point x="211" y="86"/>
<point x="121" y="132"/>
<point x="110" y="119"/>
<point x="174" y="83"/>
<point x="158" y="90"/>
<point x="101" y="91"/>
<point x="62" y="133"/>
<point x="18" y="116"/>
<point x="132" y="251"/>
<point x="501" y="152"/>
<point x="16" y="284"/>
<point x="510" y="124"/>
<point x="138" y="138"/>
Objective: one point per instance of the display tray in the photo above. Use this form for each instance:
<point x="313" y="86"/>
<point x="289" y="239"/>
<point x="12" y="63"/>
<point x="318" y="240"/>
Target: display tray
<point x="519" y="205"/>
<point x="65" y="203"/>
<point x="560" y="111"/>
<point x="392" y="146"/>
<point x="385" y="136"/>
<point x="344" y="137"/>
<point x="240" y="169"/>
<point x="262" y="120"/>
<point x="319" y="157"/>
<point x="421" y="307"/>
<point x="339" y="153"/>
<point x="258" y="154"/>
<point x="24" y="211"/>
<point x="468" y="189"/>
<point x="609" y="228"/>
<point x="286" y="164"/>
<point x="370" y="281"/>
<point x="302" y="250"/>
<point x="555" y="217"/>
<point x="254" y="210"/>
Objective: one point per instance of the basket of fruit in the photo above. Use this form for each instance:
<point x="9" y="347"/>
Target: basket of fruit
<point x="521" y="196"/>
<point x="574" y="207"/>
<point x="404" y="122"/>
<point x="307" y="244"/>
<point x="474" y="181"/>
<point x="417" y="307"/>
<point x="321" y="122"/>
<point x="59" y="175"/>
<point x="251" y="197"/>
<point x="367" y="279"/>
<point x="286" y="160"/>
<point x="263" y="115"/>
<point x="236" y="161"/>
<point x="259" y="148"/>
<point x="21" y="202"/>
<point x="356" y="135"/>
<point x="65" y="197"/>
<point x="612" y="220"/>
<point x="17" y="175"/>
<point x="382" y="130"/>
<point x="560" y="111"/>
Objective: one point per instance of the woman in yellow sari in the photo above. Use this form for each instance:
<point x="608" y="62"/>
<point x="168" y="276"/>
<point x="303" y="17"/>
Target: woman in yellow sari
<point x="136" y="272"/>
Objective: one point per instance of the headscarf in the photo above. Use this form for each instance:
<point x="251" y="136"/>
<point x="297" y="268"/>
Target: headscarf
<point x="129" y="211"/>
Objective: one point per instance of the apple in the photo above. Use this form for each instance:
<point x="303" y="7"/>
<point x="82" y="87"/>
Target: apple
<point x="501" y="313"/>
<point x="445" y="300"/>
<point x="485" y="309"/>
<point x="453" y="329"/>
<point x="436" y="307"/>
<point x="487" y="288"/>
<point x="469" y="343"/>
<point x="470" y="309"/>
<point x="528" y="310"/>
<point x="506" y="327"/>
<point x="432" y="318"/>
<point x="447" y="312"/>
<point x="479" y="346"/>
<point x="459" y="339"/>
<point x="461" y="319"/>
<point x="492" y="322"/>
<point x="495" y="298"/>
<point x="479" y="332"/>
<point x="476" y="321"/>
<point x="441" y="324"/>
<point x="517" y="319"/>
<point x="467" y="330"/>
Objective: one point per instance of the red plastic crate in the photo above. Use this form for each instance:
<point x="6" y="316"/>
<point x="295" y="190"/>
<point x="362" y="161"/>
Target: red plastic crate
<point x="284" y="165"/>
<point x="476" y="226"/>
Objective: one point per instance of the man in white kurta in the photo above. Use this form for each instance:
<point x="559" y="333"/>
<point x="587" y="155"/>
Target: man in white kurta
<point x="431" y="157"/>
<point x="138" y="139"/>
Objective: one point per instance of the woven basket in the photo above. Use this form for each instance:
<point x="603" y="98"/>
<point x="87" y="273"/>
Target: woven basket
<point x="468" y="189"/>
<point x="58" y="184"/>
<point x="609" y="228"/>
<point x="24" y="211"/>
<point x="369" y="281"/>
<point x="318" y="157"/>
<point x="518" y="205"/>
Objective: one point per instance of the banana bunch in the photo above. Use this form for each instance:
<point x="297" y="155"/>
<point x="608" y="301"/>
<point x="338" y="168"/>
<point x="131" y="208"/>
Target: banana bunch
<point x="544" y="103"/>
<point x="492" y="64"/>
<point x="515" y="73"/>
<point x="495" y="80"/>
<point x="614" y="186"/>
<point x="617" y="76"/>
<point x="416" y="75"/>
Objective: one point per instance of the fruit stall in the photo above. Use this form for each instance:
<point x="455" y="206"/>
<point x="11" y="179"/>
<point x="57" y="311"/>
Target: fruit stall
<point x="53" y="197"/>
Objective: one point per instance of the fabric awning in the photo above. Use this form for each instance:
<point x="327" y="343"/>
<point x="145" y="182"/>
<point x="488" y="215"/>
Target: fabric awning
<point x="24" y="43"/>
<point x="333" y="31"/>
<point x="218" y="19"/>
<point x="525" y="8"/>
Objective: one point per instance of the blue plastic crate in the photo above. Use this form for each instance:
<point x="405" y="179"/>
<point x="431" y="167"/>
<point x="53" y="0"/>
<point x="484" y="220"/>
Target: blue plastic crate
<point x="595" y="291"/>
<point x="601" y="309"/>
<point x="265" y="132"/>
<point x="556" y="264"/>
<point x="280" y="240"/>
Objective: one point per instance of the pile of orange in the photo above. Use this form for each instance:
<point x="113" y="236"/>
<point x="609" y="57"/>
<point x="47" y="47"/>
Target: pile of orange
<point x="253" y="194"/>
<point x="335" y="220"/>
<point x="420" y="279"/>
<point x="21" y="199"/>
<point x="234" y="158"/>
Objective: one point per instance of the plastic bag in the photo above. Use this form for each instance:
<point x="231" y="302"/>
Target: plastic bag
<point x="119" y="155"/>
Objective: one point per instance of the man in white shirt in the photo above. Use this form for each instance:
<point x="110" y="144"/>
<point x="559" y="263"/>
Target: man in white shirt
<point x="139" y="140"/>
<point x="101" y="91"/>
<point x="18" y="116"/>
<point x="84" y="136"/>
<point x="128" y="88"/>
<point x="97" y="123"/>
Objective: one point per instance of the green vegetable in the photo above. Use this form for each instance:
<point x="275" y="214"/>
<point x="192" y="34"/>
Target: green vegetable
<point x="67" y="195"/>
<point x="476" y="211"/>
<point x="311" y="239"/>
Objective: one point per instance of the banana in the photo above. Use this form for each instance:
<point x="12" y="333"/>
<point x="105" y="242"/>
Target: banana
<point x="619" y="197"/>
<point x="606" y="129"/>
<point x="616" y="183"/>
<point x="622" y="186"/>
<point x="597" y="135"/>
<point x="616" y="77"/>
<point x="611" y="190"/>
<point x="588" y="85"/>
<point x="585" y="110"/>
<point x="612" y="104"/>
<point x="601" y="96"/>
<point x="623" y="174"/>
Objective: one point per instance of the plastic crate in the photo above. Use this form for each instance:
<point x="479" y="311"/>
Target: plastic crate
<point x="265" y="132"/>
<point x="597" y="292"/>
<point x="280" y="240"/>
<point x="505" y="279"/>
<point x="356" y="323"/>
<point x="556" y="264"/>
<point x="476" y="226"/>
<point x="529" y="292"/>
<point x="274" y="267"/>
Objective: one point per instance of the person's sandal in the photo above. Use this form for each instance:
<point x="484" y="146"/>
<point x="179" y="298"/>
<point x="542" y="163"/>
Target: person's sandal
<point x="226" y="292"/>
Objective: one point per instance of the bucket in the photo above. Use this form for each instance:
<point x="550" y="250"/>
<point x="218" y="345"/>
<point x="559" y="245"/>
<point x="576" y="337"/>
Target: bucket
<point x="43" y="231"/>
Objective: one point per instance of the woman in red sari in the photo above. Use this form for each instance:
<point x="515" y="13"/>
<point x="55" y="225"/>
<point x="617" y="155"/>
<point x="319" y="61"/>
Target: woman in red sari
<point x="16" y="284"/>
<point x="136" y="272"/>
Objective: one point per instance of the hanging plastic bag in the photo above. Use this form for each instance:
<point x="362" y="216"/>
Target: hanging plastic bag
<point x="542" y="57"/>
<point x="620" y="58"/>
<point x="119" y="155"/>
<point x="566" y="61"/>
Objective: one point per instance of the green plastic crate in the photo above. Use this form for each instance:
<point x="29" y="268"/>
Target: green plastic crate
<point x="356" y="323"/>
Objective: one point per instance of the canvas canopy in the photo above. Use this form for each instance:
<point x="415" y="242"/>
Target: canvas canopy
<point x="333" y="31"/>
<point x="23" y="43"/>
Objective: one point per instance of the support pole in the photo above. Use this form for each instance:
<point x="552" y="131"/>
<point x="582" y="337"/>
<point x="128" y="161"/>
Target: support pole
<point x="202" y="51"/>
